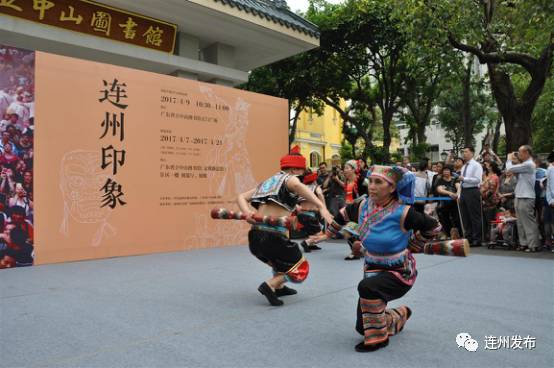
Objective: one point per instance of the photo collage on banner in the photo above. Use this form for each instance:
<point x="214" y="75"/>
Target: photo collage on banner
<point x="17" y="114"/>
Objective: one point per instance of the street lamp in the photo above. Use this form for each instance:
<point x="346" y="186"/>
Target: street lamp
<point x="444" y="155"/>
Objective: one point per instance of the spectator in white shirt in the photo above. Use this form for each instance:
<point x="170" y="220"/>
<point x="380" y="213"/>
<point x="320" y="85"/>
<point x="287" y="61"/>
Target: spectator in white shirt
<point x="549" y="202"/>
<point x="528" y="231"/>
<point x="470" y="200"/>
<point x="5" y="102"/>
<point x="18" y="107"/>
<point x="421" y="186"/>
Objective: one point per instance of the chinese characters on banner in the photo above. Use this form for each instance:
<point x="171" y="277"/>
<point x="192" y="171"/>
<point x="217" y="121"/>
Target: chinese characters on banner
<point x="95" y="19"/>
<point x="113" y="129"/>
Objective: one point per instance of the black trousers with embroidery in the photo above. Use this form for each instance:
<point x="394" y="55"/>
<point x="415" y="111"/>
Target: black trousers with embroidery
<point x="384" y="286"/>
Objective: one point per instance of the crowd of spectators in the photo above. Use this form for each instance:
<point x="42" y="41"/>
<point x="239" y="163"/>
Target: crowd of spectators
<point x="479" y="197"/>
<point x="17" y="112"/>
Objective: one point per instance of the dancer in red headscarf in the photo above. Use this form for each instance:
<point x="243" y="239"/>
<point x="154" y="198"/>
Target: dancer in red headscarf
<point x="278" y="196"/>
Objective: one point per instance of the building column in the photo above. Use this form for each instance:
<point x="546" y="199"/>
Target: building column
<point x="219" y="54"/>
<point x="187" y="46"/>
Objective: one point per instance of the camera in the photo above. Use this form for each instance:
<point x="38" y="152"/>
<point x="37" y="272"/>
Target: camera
<point x="334" y="171"/>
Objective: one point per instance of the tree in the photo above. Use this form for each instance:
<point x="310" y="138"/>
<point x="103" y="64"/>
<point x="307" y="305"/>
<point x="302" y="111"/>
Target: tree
<point x="427" y="59"/>
<point x="514" y="38"/>
<point x="465" y="105"/>
<point x="543" y="120"/>
<point x="361" y="52"/>
<point x="291" y="80"/>
<point x="419" y="96"/>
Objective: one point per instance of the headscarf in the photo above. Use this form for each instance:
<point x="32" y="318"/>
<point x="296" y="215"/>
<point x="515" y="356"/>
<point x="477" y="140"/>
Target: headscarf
<point x="310" y="178"/>
<point x="402" y="178"/>
<point x="294" y="160"/>
<point x="353" y="164"/>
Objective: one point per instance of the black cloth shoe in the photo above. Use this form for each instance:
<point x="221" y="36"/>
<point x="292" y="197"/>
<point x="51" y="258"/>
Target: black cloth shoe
<point x="313" y="247"/>
<point x="305" y="246"/>
<point x="351" y="257"/>
<point x="269" y="294"/>
<point x="284" y="291"/>
<point x="362" y="348"/>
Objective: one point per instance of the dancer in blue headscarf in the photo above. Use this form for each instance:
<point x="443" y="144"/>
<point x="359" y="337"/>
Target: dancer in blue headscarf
<point x="385" y="224"/>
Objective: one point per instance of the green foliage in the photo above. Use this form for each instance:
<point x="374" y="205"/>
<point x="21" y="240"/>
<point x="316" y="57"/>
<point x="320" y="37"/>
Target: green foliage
<point x="288" y="79"/>
<point x="419" y="151"/>
<point x="346" y="151"/>
<point x="392" y="58"/>
<point x="516" y="40"/>
<point x="543" y="120"/>
<point x="396" y="157"/>
<point x="501" y="152"/>
<point x="379" y="156"/>
<point x="362" y="45"/>
<point x="457" y="115"/>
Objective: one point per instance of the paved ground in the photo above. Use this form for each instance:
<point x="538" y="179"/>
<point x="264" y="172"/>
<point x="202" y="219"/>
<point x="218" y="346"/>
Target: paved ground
<point x="201" y="309"/>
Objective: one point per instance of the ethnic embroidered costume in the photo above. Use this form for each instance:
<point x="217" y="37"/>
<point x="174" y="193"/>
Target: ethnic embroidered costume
<point x="389" y="267"/>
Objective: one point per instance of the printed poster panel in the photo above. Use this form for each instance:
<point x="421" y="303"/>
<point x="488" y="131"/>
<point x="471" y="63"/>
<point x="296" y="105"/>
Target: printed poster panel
<point x="130" y="162"/>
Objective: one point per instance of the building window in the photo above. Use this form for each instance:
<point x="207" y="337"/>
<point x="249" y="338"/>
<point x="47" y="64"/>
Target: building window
<point x="433" y="153"/>
<point x="315" y="159"/>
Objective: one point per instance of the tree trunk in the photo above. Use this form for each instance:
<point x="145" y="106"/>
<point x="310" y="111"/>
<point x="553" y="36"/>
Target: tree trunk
<point x="515" y="112"/>
<point x="292" y="128"/>
<point x="367" y="136"/>
<point x="466" y="107"/>
<point x="420" y="126"/>
<point x="353" y="144"/>
<point x="387" y="119"/>
<point x="519" y="128"/>
<point x="496" y="137"/>
<point x="516" y="115"/>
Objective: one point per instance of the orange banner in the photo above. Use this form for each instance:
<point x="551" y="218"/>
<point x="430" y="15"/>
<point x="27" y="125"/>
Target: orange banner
<point x="130" y="162"/>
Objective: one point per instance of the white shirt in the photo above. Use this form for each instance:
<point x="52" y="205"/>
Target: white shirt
<point x="421" y="186"/>
<point x="430" y="176"/>
<point x="5" y="102"/>
<point x="550" y="184"/>
<point x="21" y="110"/>
<point x="525" y="187"/>
<point x="4" y="124"/>
<point x="472" y="172"/>
<point x="31" y="107"/>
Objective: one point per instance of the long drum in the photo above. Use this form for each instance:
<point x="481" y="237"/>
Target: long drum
<point x="458" y="248"/>
<point x="225" y="214"/>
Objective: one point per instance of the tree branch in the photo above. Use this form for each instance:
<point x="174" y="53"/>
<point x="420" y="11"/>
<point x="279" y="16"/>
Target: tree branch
<point x="525" y="60"/>
<point x="344" y="115"/>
